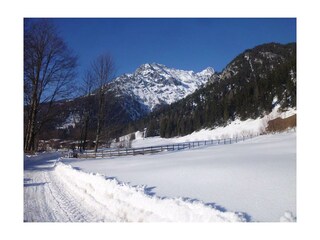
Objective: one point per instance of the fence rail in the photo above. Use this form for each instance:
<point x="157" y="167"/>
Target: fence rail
<point x="103" y="153"/>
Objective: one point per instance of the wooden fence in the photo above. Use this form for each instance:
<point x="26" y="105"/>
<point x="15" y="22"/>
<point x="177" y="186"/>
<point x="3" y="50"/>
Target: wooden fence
<point x="111" y="152"/>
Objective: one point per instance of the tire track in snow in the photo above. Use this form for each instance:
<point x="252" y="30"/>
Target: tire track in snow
<point x="65" y="202"/>
<point x="46" y="199"/>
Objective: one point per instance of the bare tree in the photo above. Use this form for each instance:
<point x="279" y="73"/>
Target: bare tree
<point x="102" y="71"/>
<point x="49" y="69"/>
<point x="87" y="105"/>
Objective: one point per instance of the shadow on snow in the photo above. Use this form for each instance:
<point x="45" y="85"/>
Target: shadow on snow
<point x="27" y="184"/>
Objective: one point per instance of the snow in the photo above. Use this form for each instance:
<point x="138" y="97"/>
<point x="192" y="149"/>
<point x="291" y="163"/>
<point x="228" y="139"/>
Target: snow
<point x="288" y="217"/>
<point x="155" y="84"/>
<point x="114" y="201"/>
<point x="256" y="177"/>
<point x="71" y="121"/>
<point x="57" y="192"/>
<point x="254" y="180"/>
<point x="237" y="128"/>
<point x="30" y="160"/>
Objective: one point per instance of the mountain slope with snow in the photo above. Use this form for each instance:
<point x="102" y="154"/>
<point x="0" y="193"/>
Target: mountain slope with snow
<point x="154" y="85"/>
<point x="129" y="97"/>
<point x="236" y="128"/>
<point x="248" y="88"/>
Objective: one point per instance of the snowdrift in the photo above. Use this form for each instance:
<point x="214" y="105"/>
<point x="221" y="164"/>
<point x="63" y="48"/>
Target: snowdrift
<point x="111" y="200"/>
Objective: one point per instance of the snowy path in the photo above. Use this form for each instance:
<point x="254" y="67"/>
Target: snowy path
<point x="46" y="199"/>
<point x="55" y="192"/>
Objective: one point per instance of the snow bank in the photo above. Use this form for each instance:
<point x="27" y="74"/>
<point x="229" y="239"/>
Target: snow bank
<point x="114" y="201"/>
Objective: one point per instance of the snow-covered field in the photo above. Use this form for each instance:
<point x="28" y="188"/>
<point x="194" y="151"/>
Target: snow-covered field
<point x="54" y="191"/>
<point x="253" y="180"/>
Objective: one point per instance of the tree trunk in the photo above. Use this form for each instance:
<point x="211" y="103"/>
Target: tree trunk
<point x="97" y="137"/>
<point x="30" y="131"/>
<point x="48" y="74"/>
<point x="100" y="118"/>
<point x="84" y="132"/>
<point x="101" y="71"/>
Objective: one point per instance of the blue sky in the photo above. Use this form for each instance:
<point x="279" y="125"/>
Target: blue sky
<point x="182" y="43"/>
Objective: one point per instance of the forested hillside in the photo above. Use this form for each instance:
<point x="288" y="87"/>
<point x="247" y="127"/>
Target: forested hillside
<point x="249" y="87"/>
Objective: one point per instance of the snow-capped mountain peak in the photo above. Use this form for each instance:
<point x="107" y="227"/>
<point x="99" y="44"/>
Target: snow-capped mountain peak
<point x="154" y="84"/>
<point x="207" y="72"/>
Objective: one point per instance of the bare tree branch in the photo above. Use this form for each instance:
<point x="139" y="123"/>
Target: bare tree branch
<point x="101" y="72"/>
<point x="49" y="70"/>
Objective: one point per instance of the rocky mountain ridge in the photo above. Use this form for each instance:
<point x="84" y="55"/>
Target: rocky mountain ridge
<point x="155" y="85"/>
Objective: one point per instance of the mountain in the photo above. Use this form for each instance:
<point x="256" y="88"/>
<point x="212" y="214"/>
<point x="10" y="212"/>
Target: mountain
<point x="155" y="85"/>
<point x="249" y="87"/>
<point x="257" y="62"/>
<point x="171" y="102"/>
<point x="129" y="97"/>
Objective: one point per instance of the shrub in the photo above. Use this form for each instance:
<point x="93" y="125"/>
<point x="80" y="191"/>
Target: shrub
<point x="282" y="124"/>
